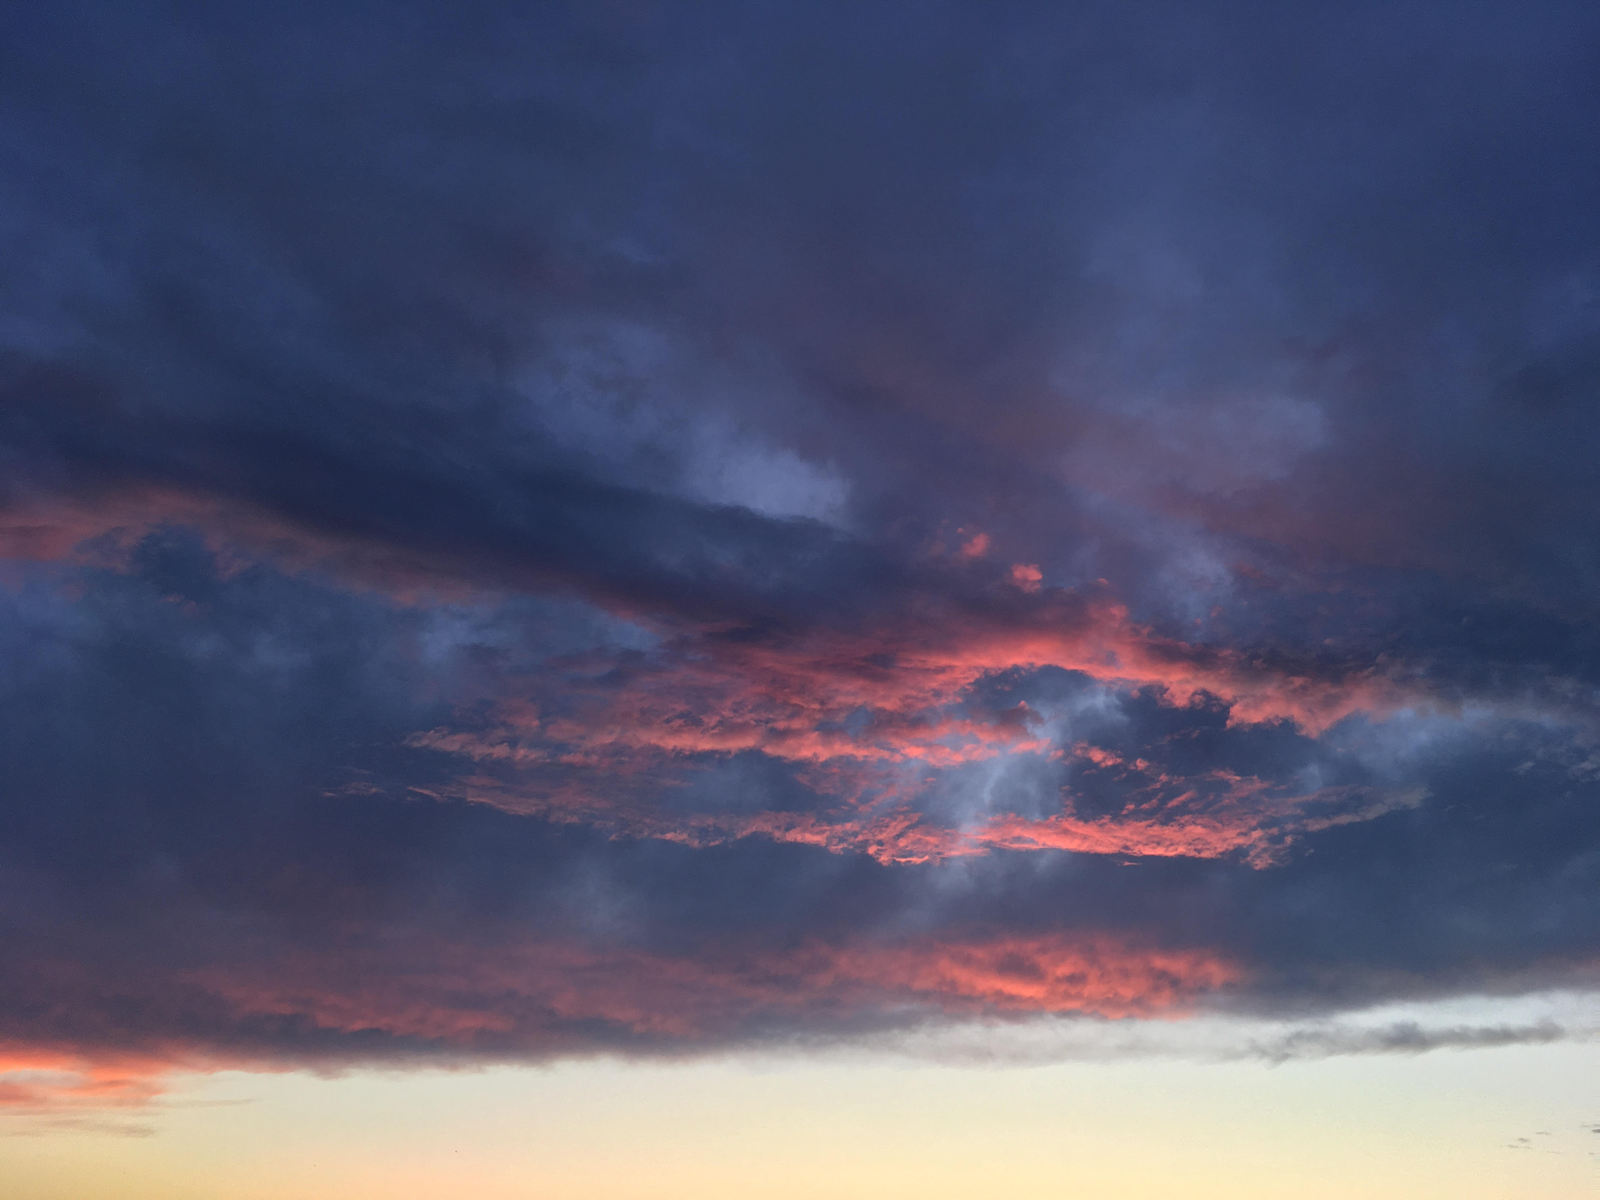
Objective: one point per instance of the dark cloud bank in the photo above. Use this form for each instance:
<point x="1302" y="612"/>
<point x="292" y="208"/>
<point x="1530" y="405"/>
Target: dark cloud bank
<point x="542" y="530"/>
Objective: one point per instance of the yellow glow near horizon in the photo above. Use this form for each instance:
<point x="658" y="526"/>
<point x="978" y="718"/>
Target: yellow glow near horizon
<point x="1385" y="1128"/>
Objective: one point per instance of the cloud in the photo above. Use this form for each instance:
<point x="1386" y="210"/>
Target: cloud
<point x="1404" y="1038"/>
<point x="1209" y="1036"/>
<point x="529" y="533"/>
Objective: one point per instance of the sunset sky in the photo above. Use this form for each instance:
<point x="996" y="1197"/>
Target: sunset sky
<point x="638" y="601"/>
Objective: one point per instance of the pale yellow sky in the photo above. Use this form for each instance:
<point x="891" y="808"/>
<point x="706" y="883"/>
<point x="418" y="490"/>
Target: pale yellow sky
<point x="1378" y="1127"/>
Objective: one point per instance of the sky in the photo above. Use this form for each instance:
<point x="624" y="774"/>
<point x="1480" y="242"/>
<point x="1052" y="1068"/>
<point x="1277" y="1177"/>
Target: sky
<point x="637" y="600"/>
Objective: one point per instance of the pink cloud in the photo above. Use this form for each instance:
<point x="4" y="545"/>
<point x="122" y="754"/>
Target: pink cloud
<point x="1027" y="576"/>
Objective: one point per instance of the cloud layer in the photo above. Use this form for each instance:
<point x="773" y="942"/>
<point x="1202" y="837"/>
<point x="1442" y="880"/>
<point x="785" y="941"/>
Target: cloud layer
<point x="624" y="529"/>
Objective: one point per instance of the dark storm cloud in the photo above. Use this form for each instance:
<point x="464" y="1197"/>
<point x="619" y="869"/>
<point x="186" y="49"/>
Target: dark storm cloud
<point x="615" y="528"/>
<point x="221" y="849"/>
<point x="1178" y="272"/>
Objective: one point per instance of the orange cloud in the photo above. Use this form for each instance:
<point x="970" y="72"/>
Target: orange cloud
<point x="527" y="994"/>
<point x="869" y="718"/>
<point x="538" y="999"/>
<point x="66" y="1087"/>
<point x="1042" y="974"/>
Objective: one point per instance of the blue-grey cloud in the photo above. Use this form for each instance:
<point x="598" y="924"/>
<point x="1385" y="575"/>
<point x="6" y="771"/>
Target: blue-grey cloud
<point x="531" y="532"/>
